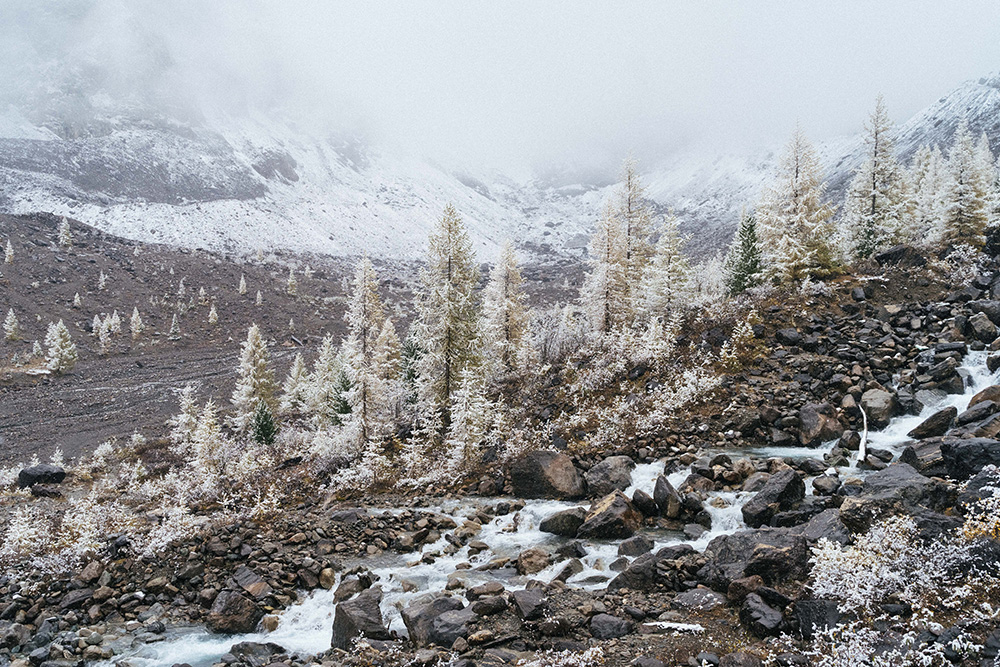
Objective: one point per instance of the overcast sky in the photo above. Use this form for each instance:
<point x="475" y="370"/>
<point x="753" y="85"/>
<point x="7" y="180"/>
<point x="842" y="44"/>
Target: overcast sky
<point x="521" y="83"/>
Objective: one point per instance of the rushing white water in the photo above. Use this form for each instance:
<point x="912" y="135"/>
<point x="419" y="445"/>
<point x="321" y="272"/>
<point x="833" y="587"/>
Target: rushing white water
<point x="306" y="627"/>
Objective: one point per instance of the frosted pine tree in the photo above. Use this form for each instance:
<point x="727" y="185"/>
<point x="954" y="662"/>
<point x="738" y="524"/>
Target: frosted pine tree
<point x="65" y="235"/>
<point x="928" y="177"/>
<point x="966" y="192"/>
<point x="102" y="281"/>
<point x="295" y="390"/>
<point x="447" y="317"/>
<point x="879" y="202"/>
<point x="604" y="295"/>
<point x="62" y="354"/>
<point x="77" y="301"/>
<point x="181" y="289"/>
<point x="470" y="416"/>
<point x="11" y="326"/>
<point x="325" y="399"/>
<point x="794" y="218"/>
<point x="255" y="382"/>
<point x="104" y="336"/>
<point x="202" y="297"/>
<point x="8" y="254"/>
<point x="505" y="316"/>
<point x="175" y="329"/>
<point x="744" y="263"/>
<point x="96" y="325"/>
<point x="243" y="284"/>
<point x="990" y="177"/>
<point x="636" y="218"/>
<point x="293" y="284"/>
<point x="387" y="360"/>
<point x="260" y="298"/>
<point x="184" y="423"/>
<point x="135" y="324"/>
<point x="665" y="281"/>
<point x="364" y="321"/>
<point x="213" y="315"/>
<point x="115" y="322"/>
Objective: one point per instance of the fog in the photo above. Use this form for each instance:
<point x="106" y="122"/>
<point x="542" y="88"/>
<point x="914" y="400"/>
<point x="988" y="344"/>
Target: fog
<point x="513" y="84"/>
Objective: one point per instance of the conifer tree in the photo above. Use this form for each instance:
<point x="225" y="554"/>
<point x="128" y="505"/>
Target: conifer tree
<point x="505" y="316"/>
<point x="664" y="282"/>
<point x="77" y="301"/>
<point x="293" y="284"/>
<point x="202" y="297"/>
<point x="8" y="255"/>
<point x="243" y="284"/>
<point x="135" y="324"/>
<point x="879" y="203"/>
<point x="364" y="319"/>
<point x="102" y="281"/>
<point x="175" y="329"/>
<point x="183" y="425"/>
<point x="11" y="326"/>
<point x="263" y="429"/>
<point x="181" y="289"/>
<point x="470" y="414"/>
<point x="65" y="235"/>
<point x="447" y="318"/>
<point x="323" y="383"/>
<point x="96" y="325"/>
<point x="295" y="390"/>
<point x="62" y="354"/>
<point x="966" y="192"/>
<point x="928" y="178"/>
<point x="115" y="322"/>
<point x="744" y="266"/>
<point x="794" y="218"/>
<point x="213" y="315"/>
<point x="387" y="361"/>
<point x="104" y="336"/>
<point x="255" y="382"/>
<point x="260" y="298"/>
<point x="636" y="219"/>
<point x="604" y="294"/>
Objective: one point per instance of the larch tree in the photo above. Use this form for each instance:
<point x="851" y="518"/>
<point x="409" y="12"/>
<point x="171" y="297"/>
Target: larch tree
<point x="213" y="315"/>
<point x="505" y="315"/>
<point x="990" y="178"/>
<point x="62" y="354"/>
<point x="470" y="416"/>
<point x="77" y="301"/>
<point x="447" y="319"/>
<point x="8" y="254"/>
<point x="295" y="390"/>
<point x="11" y="326"/>
<point x="879" y="201"/>
<point x="665" y="281"/>
<point x="928" y="177"/>
<point x="243" y="284"/>
<point x="65" y="235"/>
<point x="293" y="283"/>
<point x="604" y="295"/>
<point x="327" y="385"/>
<point x="255" y="382"/>
<point x="636" y="219"/>
<point x="966" y="192"/>
<point x="175" y="329"/>
<point x="387" y="360"/>
<point x="135" y="324"/>
<point x="795" y="219"/>
<point x="744" y="261"/>
<point x="364" y="319"/>
<point x="183" y="424"/>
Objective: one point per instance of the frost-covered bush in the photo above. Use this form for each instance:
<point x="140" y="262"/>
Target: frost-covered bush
<point x="590" y="658"/>
<point x="982" y="519"/>
<point x="856" y="645"/>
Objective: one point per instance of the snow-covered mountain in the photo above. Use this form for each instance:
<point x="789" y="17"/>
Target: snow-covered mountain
<point x="239" y="184"/>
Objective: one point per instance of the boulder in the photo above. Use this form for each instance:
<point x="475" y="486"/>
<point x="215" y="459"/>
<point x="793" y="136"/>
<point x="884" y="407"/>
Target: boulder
<point x="606" y="626"/>
<point x="925" y="457"/>
<point x="233" y="613"/>
<point x="788" y="337"/>
<point x="981" y="328"/>
<point x="989" y="307"/>
<point x="965" y="458"/>
<point x="760" y="618"/>
<point x="419" y="618"/>
<point x="533" y="561"/>
<point x="739" y="659"/>
<point x="880" y="406"/>
<point x="529" y="603"/>
<point x="44" y="473"/>
<point x="645" y="572"/>
<point x="666" y="498"/>
<point x="749" y="552"/>
<point x="612" y="474"/>
<point x="451" y="625"/>
<point x="901" y="255"/>
<point x="359" y="617"/>
<point x="255" y="654"/>
<point x="635" y="546"/>
<point x="251" y="582"/>
<point x="699" y="599"/>
<point x="781" y="492"/>
<point x="565" y="522"/>
<point x="611" y="517"/>
<point x="645" y="503"/>
<point x="991" y="393"/>
<point x="977" y="412"/>
<point x="935" y="425"/>
<point x="810" y="616"/>
<point x="818" y="423"/>
<point x="546" y="474"/>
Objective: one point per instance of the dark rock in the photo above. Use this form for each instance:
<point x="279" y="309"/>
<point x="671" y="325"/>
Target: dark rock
<point x="759" y="617"/>
<point x="812" y="615"/>
<point x="978" y="412"/>
<point x="528" y="603"/>
<point x="233" y="613"/>
<point x="818" y="423"/>
<point x="739" y="659"/>
<point x="612" y="474"/>
<point x="611" y="517"/>
<point x="451" y="625"/>
<point x="645" y="503"/>
<point x="44" y="473"/>
<point x="667" y="498"/>
<point x="255" y="654"/>
<point x="744" y="586"/>
<point x="981" y="328"/>
<point x="925" y="457"/>
<point x="788" y="337"/>
<point x="776" y="554"/>
<point x="544" y="474"/>
<point x="880" y="406"/>
<point x="826" y="485"/>
<point x="419" y="618"/>
<point x="76" y="599"/>
<point x="489" y="605"/>
<point x="935" y="425"/>
<point x="606" y="626"/>
<point x="901" y="255"/>
<point x="359" y="617"/>
<point x="825" y="524"/>
<point x="991" y="393"/>
<point x="564" y="523"/>
<point x="635" y="546"/>
<point x="965" y="458"/>
<point x="648" y="661"/>
<point x="699" y="599"/>
<point x="781" y="492"/>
